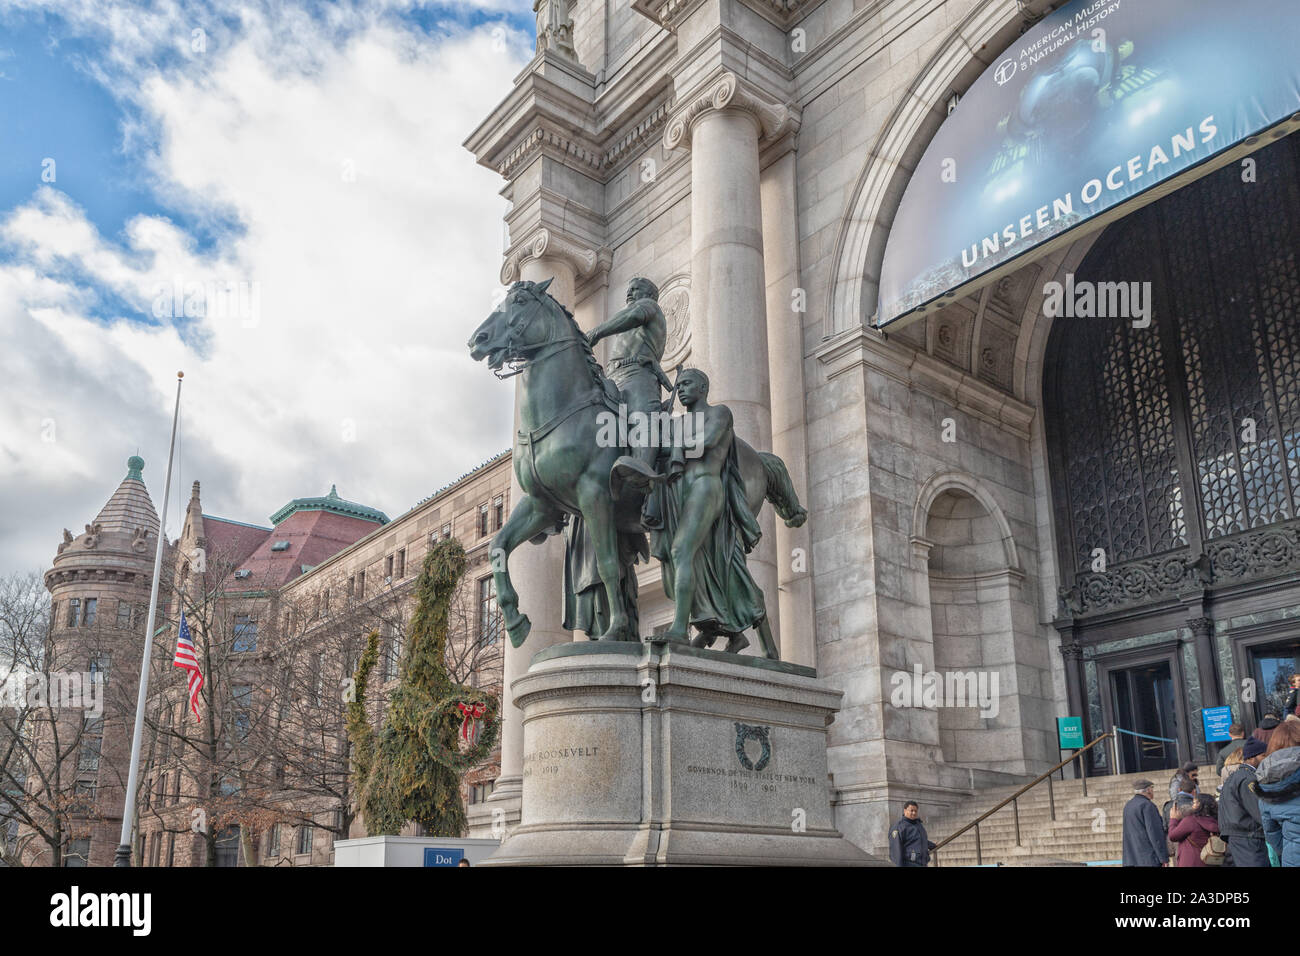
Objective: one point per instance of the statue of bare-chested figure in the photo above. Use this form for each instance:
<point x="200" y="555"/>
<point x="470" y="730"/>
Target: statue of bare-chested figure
<point x="708" y="529"/>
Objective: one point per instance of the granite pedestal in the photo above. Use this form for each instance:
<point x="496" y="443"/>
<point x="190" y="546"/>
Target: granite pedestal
<point x="661" y="754"/>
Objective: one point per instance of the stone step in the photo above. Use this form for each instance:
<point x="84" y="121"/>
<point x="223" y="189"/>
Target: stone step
<point x="1069" y="837"/>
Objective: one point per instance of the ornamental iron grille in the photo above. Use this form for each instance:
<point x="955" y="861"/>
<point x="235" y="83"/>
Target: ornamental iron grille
<point x="1176" y="448"/>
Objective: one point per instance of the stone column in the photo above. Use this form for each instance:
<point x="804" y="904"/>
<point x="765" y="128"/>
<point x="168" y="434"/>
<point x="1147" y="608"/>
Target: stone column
<point x="723" y="127"/>
<point x="536" y="570"/>
<point x="785" y="312"/>
<point x="1202" y="629"/>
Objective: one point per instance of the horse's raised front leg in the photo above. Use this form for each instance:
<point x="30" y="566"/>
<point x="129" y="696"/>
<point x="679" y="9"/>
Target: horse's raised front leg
<point x="527" y="519"/>
<point x="598" y="515"/>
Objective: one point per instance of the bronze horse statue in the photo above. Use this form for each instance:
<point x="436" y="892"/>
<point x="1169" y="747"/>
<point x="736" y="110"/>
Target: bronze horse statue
<point x="560" y="465"/>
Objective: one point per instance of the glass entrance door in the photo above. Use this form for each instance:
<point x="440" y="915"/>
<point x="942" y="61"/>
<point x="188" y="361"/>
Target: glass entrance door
<point x="1272" y="666"/>
<point x="1144" y="704"/>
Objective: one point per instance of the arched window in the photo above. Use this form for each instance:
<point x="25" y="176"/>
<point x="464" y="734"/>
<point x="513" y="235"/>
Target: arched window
<point x="1167" y="439"/>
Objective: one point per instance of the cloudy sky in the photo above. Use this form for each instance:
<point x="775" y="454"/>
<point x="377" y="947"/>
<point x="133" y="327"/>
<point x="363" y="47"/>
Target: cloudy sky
<point x="271" y="196"/>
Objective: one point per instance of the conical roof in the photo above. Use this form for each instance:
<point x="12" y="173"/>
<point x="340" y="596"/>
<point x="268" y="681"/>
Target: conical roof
<point x="130" y="507"/>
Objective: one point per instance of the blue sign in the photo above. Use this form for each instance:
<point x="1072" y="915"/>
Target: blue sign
<point x="440" y="856"/>
<point x="1216" y="721"/>
<point x="1098" y="104"/>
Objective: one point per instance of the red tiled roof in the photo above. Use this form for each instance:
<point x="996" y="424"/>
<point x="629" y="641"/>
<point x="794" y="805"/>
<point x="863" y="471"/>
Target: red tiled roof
<point x="313" y="537"/>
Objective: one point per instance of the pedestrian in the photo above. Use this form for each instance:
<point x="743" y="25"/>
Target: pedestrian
<point x="1265" y="728"/>
<point x="908" y="843"/>
<point x="1292" y="708"/>
<point x="1192" y="828"/>
<point x="1238" y="740"/>
<point x="1144" y="833"/>
<point x="1239" y="816"/>
<point x="1184" y="773"/>
<point x="1277" y="784"/>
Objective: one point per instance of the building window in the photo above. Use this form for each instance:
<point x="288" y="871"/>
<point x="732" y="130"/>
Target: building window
<point x="305" y="837"/>
<point x="91" y="741"/>
<point x="99" y="662"/>
<point x="361" y="585"/>
<point x="499" y="511"/>
<point x="74" y="611"/>
<point x="228" y="847"/>
<point x="325" y="602"/>
<point x="483" y="520"/>
<point x="393" y="662"/>
<point x="176" y="788"/>
<point x="243" y="696"/>
<point x="245" y="633"/>
<point x="77" y="852"/>
<point x="352" y="586"/>
<point x="388" y="568"/>
<point x="171" y="849"/>
<point x="489" y="614"/>
<point x="479" y="792"/>
<point x="124" y="614"/>
<point x="273" y="841"/>
<point x="401" y="564"/>
<point x="88" y="613"/>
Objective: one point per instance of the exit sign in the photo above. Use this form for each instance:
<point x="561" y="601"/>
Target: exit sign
<point x="1069" y="730"/>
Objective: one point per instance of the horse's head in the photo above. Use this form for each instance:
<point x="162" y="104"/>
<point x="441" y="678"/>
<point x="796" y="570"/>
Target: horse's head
<point x="518" y="327"/>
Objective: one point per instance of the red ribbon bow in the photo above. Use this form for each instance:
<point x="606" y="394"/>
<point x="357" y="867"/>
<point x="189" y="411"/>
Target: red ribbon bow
<point x="472" y="714"/>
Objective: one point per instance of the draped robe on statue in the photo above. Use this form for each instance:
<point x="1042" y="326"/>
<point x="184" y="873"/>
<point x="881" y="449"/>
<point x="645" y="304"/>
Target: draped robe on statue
<point x="727" y="600"/>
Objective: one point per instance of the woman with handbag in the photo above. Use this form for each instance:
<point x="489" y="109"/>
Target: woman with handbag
<point x="1192" y="831"/>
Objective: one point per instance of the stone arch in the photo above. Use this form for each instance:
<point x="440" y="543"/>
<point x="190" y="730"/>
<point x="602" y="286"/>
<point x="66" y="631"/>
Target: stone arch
<point x="993" y="670"/>
<point x="987" y="30"/>
<point x="948" y="482"/>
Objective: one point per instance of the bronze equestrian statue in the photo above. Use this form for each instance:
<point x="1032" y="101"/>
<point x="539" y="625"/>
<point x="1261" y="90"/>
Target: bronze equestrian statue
<point x="565" y="403"/>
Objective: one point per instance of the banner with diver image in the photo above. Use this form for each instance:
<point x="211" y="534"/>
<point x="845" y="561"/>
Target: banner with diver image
<point x="1098" y="103"/>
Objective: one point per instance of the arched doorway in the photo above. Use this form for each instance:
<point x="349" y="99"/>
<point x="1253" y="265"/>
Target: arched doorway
<point x="1174" y="454"/>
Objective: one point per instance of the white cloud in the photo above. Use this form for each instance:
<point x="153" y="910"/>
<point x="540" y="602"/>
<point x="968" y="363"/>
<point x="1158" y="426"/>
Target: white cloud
<point x="367" y="288"/>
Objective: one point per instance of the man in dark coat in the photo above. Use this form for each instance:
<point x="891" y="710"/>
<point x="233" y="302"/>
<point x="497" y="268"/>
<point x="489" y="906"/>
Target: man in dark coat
<point x="908" y="843"/>
<point x="1144" y="831"/>
<point x="1239" y="820"/>
<point x="1237" y="741"/>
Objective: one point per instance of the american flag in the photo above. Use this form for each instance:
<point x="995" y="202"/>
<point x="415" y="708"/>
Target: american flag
<point x="185" y="658"/>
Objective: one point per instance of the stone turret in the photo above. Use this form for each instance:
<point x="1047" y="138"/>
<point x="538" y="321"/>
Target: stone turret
<point x="99" y="585"/>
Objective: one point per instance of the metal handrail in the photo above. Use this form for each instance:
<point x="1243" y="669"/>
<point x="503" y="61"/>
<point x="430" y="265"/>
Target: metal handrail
<point x="1015" y="797"/>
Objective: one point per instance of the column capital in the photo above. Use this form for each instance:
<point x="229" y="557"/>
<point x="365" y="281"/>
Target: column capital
<point x="545" y="242"/>
<point x="1072" y="650"/>
<point x="728" y="91"/>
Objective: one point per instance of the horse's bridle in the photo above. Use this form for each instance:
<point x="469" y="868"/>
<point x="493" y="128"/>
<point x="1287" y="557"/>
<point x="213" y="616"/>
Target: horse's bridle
<point x="540" y="352"/>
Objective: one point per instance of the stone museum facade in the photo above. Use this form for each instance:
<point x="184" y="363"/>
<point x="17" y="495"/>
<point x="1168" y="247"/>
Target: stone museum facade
<point x="960" y="471"/>
<point x="280" y="614"/>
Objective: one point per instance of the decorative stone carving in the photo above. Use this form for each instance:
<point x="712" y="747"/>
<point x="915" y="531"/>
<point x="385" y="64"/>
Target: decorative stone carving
<point x="669" y="13"/>
<point x="544" y="136"/>
<point x="1262" y="553"/>
<point x="675" y="301"/>
<point x="728" y="91"/>
<point x="138" y="536"/>
<point x="545" y="242"/>
<point x="555" y="28"/>
<point x="93" y="531"/>
<point x="67" y="540"/>
<point x="1072" y="650"/>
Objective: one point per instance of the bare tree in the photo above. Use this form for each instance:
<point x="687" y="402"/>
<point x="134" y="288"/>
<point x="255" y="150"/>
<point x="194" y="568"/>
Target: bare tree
<point x="49" y="740"/>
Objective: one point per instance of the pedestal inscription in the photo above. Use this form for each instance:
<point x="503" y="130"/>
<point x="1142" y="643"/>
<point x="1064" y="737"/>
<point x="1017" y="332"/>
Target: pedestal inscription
<point x="722" y="762"/>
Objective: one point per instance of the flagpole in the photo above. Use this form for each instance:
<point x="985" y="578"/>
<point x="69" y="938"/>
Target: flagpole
<point x="123" y="855"/>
